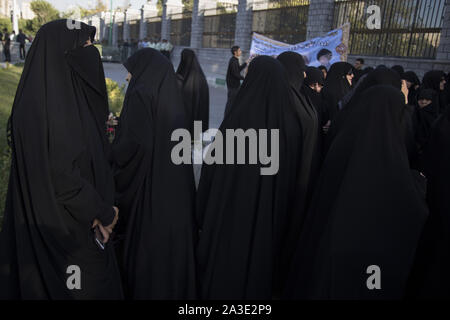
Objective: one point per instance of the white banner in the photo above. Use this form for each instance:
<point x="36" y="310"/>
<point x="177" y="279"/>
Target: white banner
<point x="324" y="50"/>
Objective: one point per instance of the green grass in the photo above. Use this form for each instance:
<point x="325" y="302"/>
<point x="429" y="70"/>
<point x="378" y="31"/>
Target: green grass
<point x="9" y="79"/>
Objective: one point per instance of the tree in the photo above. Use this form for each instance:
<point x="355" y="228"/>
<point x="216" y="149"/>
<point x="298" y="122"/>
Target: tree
<point x="99" y="7"/>
<point x="5" y="23"/>
<point x="44" y="12"/>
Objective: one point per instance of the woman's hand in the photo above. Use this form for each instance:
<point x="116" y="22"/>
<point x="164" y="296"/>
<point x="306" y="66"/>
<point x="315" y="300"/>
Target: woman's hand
<point x="405" y="91"/>
<point x="105" y="233"/>
<point x="113" y="224"/>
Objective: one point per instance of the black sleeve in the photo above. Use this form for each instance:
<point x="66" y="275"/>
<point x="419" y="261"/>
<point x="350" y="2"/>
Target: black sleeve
<point x="107" y="216"/>
<point x="236" y="70"/>
<point x="242" y="67"/>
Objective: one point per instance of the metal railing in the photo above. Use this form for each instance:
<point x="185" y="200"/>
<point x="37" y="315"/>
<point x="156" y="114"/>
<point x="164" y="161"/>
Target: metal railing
<point x="219" y="27"/>
<point x="154" y="28"/>
<point x="409" y="28"/>
<point x="180" y="29"/>
<point x="281" y="20"/>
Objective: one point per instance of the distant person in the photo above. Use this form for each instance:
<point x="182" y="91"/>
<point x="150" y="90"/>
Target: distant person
<point x="324" y="71"/>
<point x="21" y="38"/>
<point x="166" y="48"/>
<point x="125" y="49"/>
<point x="195" y="90"/>
<point x="358" y="70"/>
<point x="6" y="41"/>
<point x="12" y="36"/>
<point x="399" y="69"/>
<point x="324" y="57"/>
<point x="234" y="76"/>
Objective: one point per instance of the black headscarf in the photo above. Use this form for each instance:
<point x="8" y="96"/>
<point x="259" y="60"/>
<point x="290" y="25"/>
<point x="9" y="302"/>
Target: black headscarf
<point x="60" y="180"/>
<point x="399" y="69"/>
<point x="424" y="118"/>
<point x="366" y="209"/>
<point x="243" y="214"/>
<point x="412" y="77"/>
<point x="195" y="88"/>
<point x="432" y="80"/>
<point x="315" y="75"/>
<point x="431" y="279"/>
<point x="155" y="196"/>
<point x="382" y="76"/>
<point x="336" y="87"/>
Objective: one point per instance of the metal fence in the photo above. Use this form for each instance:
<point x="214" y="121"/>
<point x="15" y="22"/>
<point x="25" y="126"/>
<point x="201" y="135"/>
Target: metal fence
<point x="219" y="27"/>
<point x="180" y="29"/>
<point x="134" y="29"/>
<point x="409" y="28"/>
<point x="120" y="31"/>
<point x="283" y="20"/>
<point x="154" y="28"/>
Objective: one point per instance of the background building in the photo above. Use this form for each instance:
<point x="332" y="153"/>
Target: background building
<point x="414" y="33"/>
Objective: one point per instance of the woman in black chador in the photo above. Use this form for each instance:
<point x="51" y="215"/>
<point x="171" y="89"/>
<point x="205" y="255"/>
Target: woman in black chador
<point x="243" y="214"/>
<point x="367" y="211"/>
<point x="60" y="182"/>
<point x="435" y="80"/>
<point x="431" y="279"/>
<point x="195" y="89"/>
<point x="156" y="196"/>
<point x="337" y="85"/>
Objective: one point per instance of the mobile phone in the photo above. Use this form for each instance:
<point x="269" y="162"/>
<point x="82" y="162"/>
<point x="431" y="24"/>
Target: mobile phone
<point x="98" y="238"/>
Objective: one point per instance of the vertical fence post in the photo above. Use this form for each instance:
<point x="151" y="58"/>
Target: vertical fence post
<point x="197" y="24"/>
<point x="244" y="24"/>
<point x="320" y="18"/>
<point x="443" y="51"/>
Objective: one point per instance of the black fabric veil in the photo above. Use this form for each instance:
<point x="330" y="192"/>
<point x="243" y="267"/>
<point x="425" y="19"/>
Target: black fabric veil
<point x="243" y="214"/>
<point x="432" y="80"/>
<point x="315" y="75"/>
<point x="430" y="279"/>
<point x="195" y="88"/>
<point x="336" y="87"/>
<point x="155" y="196"/>
<point x="366" y="208"/>
<point x="382" y="76"/>
<point x="60" y="179"/>
<point x="295" y="68"/>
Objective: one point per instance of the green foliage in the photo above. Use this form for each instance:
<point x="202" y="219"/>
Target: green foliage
<point x="116" y="95"/>
<point x="44" y="12"/>
<point x="5" y="162"/>
<point x="5" y="23"/>
<point x="99" y="7"/>
<point x="28" y="27"/>
<point x="9" y="79"/>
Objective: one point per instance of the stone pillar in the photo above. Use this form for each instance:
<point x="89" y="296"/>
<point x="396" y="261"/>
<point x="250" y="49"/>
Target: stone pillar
<point x="101" y="32"/>
<point x="197" y="24"/>
<point x="165" y="24"/>
<point x="114" y="30"/>
<point x="95" y="22"/>
<point x="443" y="51"/>
<point x="320" y="18"/>
<point x="169" y="7"/>
<point x="126" y="26"/>
<point x="244" y="21"/>
<point x="142" y="24"/>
